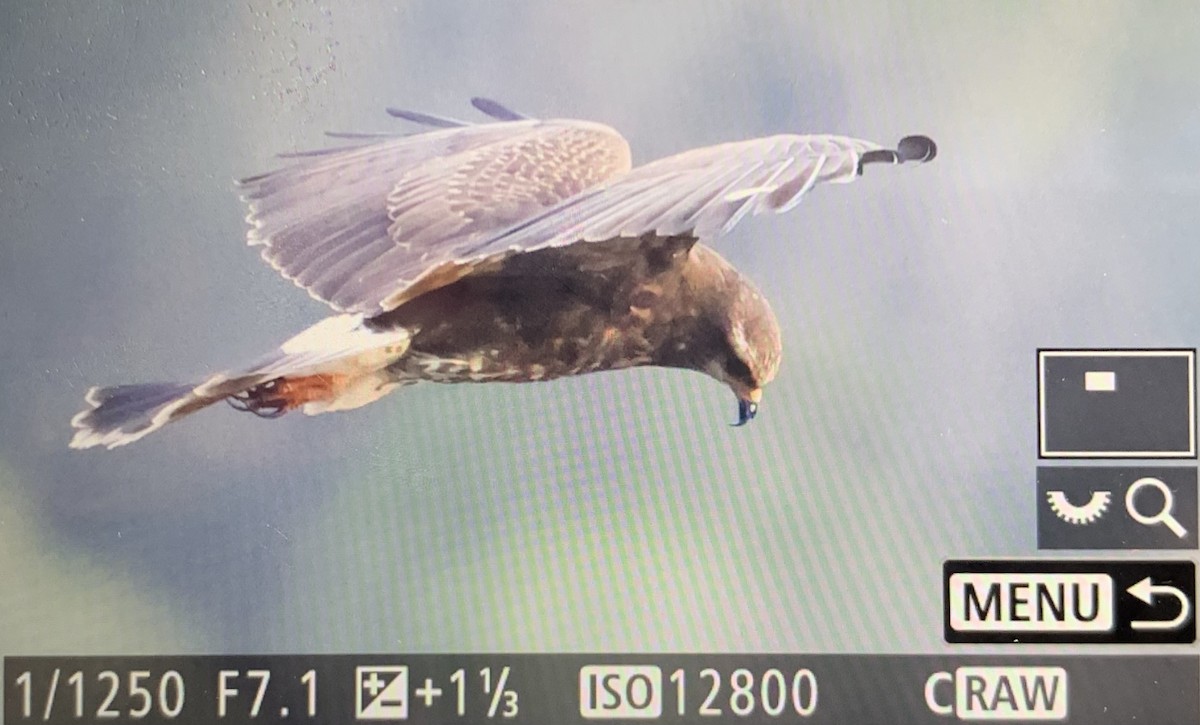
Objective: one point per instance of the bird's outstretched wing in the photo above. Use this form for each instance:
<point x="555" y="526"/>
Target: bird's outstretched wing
<point x="355" y="224"/>
<point x="701" y="194"/>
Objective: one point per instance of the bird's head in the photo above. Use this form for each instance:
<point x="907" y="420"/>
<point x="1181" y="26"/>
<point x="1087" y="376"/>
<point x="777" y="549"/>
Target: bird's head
<point x="749" y="356"/>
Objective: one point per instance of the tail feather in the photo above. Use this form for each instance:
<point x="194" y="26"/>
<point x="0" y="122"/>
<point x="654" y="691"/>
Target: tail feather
<point x="336" y="364"/>
<point x="124" y="413"/>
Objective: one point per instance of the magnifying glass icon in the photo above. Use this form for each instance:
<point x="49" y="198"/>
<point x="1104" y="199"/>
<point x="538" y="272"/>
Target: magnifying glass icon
<point x="1163" y="516"/>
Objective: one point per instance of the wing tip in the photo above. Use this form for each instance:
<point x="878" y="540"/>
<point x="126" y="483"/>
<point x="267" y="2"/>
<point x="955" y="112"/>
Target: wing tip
<point x="911" y="149"/>
<point x="918" y="148"/>
<point x="497" y="110"/>
<point x="426" y="119"/>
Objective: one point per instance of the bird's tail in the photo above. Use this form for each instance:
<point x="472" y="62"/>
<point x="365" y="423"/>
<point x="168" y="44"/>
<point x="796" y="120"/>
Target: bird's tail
<point x="123" y="413"/>
<point x="337" y="364"/>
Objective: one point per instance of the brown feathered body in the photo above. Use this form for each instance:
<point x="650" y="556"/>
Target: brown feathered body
<point x="542" y="315"/>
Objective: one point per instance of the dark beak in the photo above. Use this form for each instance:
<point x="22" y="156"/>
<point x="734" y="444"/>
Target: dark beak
<point x="746" y="412"/>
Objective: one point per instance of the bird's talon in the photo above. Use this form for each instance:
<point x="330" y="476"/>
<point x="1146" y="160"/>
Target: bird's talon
<point x="270" y="413"/>
<point x="254" y="400"/>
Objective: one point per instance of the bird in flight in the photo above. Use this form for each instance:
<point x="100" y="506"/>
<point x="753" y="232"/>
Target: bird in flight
<point x="515" y="250"/>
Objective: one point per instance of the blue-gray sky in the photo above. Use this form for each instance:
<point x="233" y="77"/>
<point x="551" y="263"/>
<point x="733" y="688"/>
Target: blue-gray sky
<point x="609" y="512"/>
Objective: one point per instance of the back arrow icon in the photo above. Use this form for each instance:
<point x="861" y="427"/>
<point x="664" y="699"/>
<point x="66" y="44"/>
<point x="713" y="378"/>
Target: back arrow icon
<point x="1145" y="590"/>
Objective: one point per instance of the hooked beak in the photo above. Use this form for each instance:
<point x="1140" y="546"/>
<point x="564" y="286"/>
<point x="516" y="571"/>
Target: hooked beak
<point x="748" y="407"/>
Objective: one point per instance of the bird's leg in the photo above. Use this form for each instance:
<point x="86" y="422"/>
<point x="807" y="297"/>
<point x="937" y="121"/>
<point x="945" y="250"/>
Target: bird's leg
<point x="255" y="400"/>
<point x="276" y="397"/>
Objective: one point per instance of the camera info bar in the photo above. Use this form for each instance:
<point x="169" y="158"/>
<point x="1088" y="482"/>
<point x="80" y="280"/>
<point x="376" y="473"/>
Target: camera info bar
<point x="562" y="688"/>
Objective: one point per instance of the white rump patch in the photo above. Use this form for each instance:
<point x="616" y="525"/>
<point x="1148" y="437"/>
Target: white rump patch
<point x="332" y="333"/>
<point x="340" y="344"/>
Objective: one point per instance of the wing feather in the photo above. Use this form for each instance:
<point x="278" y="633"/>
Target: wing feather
<point x="701" y="193"/>
<point x="370" y="226"/>
<point x="339" y="244"/>
<point x="719" y="185"/>
<point x="352" y="225"/>
<point x="426" y="119"/>
<point x="679" y="218"/>
<point x="496" y="110"/>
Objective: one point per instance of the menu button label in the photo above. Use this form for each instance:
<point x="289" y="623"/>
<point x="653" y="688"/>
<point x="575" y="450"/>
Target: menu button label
<point x="1031" y="602"/>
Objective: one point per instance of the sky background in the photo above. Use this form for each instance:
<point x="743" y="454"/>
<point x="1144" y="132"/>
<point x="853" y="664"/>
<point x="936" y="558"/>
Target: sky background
<point x="610" y="512"/>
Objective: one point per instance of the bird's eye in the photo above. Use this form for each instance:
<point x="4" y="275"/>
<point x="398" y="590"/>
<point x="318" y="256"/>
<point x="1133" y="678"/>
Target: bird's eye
<point x="738" y="370"/>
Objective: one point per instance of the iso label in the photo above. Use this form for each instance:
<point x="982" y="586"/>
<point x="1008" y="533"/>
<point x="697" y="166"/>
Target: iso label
<point x="625" y="692"/>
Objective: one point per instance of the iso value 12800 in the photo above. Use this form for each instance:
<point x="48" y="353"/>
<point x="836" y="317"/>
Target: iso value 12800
<point x="611" y="692"/>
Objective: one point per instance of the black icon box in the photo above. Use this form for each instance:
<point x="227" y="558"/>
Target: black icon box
<point x="1116" y="403"/>
<point x="1130" y="507"/>
<point x="1007" y="601"/>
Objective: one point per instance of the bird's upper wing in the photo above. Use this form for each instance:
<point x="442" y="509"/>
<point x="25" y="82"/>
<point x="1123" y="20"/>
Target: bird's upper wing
<point x="354" y="225"/>
<point x="701" y="193"/>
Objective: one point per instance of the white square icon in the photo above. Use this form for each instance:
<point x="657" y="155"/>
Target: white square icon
<point x="1100" y="381"/>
